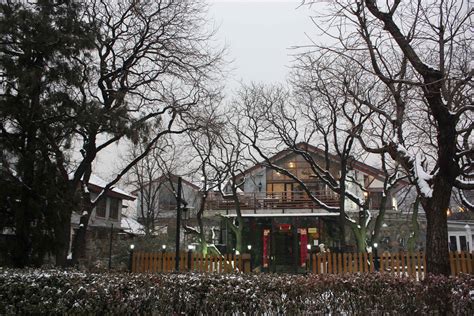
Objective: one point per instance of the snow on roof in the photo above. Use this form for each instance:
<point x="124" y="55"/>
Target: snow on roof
<point x="101" y="183"/>
<point x="95" y="180"/>
<point x="129" y="225"/>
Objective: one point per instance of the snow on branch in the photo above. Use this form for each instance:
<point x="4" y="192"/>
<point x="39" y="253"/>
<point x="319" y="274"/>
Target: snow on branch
<point x="191" y="230"/>
<point x="422" y="178"/>
<point x="465" y="184"/>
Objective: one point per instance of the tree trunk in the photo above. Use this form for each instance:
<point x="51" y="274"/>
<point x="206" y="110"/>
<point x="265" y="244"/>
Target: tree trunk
<point x="415" y="227"/>
<point x="437" y="252"/>
<point x="360" y="237"/>
<point x="342" y="209"/>
<point x="238" y="238"/>
<point x="379" y="221"/>
<point x="22" y="243"/>
<point x="203" y="245"/>
<point x="62" y="234"/>
<point x="24" y="214"/>
<point x="79" y="242"/>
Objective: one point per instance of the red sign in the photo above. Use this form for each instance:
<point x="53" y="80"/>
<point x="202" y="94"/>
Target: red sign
<point x="266" y="247"/>
<point x="284" y="227"/>
<point x="303" y="246"/>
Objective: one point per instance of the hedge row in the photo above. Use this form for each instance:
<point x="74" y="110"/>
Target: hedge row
<point x="60" y="292"/>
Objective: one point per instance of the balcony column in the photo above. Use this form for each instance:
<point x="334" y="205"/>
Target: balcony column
<point x="469" y="237"/>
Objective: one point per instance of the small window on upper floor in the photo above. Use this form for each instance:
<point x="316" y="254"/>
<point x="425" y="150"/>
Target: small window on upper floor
<point x="100" y="208"/>
<point x="114" y="208"/>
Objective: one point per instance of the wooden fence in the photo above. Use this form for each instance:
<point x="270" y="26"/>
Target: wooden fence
<point x="400" y="264"/>
<point x="165" y="262"/>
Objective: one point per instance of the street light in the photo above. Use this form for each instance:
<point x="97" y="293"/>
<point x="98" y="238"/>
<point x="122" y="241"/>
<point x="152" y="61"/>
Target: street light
<point x="376" y="259"/>
<point x="308" y="246"/>
<point x="163" y="249"/>
<point x="130" y="257"/>
<point x="249" y="247"/>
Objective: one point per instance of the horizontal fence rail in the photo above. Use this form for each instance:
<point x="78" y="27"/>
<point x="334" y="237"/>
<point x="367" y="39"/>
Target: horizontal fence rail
<point x="401" y="264"/>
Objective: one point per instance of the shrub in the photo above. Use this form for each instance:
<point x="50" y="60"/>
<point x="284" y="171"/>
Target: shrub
<point x="72" y="292"/>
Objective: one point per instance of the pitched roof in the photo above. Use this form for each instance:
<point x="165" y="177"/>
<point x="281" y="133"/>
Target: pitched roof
<point x="96" y="184"/>
<point x="131" y="226"/>
<point x="377" y="173"/>
<point x="173" y="178"/>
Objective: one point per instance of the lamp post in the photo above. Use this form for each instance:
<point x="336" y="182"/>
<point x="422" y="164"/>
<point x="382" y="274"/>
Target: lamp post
<point x="178" y="223"/>
<point x="130" y="257"/>
<point x="249" y="247"/>
<point x="190" y="256"/>
<point x="110" y="245"/>
<point x="163" y="252"/>
<point x="376" y="257"/>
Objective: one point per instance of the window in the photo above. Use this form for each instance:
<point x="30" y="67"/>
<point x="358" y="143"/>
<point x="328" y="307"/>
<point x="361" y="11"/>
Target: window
<point x="375" y="200"/>
<point x="463" y="243"/>
<point x="114" y="208"/>
<point x="452" y="243"/>
<point x="100" y="208"/>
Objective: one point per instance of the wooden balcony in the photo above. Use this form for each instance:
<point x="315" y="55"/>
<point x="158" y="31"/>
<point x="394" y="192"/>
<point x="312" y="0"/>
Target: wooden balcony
<point x="271" y="200"/>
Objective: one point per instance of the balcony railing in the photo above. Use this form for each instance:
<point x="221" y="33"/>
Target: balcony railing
<point x="269" y="200"/>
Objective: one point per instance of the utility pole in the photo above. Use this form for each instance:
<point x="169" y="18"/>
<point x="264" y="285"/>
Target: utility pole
<point x="178" y="224"/>
<point x="110" y="245"/>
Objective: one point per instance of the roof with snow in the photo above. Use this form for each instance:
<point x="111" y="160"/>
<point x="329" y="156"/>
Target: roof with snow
<point x="131" y="226"/>
<point x="96" y="184"/>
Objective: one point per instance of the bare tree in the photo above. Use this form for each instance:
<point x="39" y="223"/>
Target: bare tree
<point x="145" y="177"/>
<point x="148" y="73"/>
<point x="230" y="162"/>
<point x="415" y="59"/>
<point x="203" y="143"/>
<point x="320" y="113"/>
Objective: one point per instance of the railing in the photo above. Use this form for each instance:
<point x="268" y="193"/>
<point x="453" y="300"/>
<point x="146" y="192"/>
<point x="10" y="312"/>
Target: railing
<point x="269" y="200"/>
<point x="155" y="262"/>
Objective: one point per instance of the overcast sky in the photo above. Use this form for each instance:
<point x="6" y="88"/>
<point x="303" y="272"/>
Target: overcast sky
<point x="259" y="35"/>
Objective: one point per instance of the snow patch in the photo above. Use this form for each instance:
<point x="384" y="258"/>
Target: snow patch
<point x="422" y="178"/>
